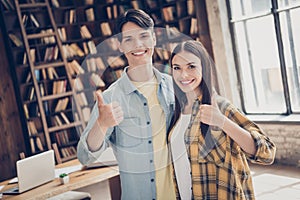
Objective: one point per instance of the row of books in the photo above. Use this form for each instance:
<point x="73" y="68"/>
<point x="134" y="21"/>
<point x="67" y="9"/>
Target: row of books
<point x="60" y="119"/>
<point x="67" y="152"/>
<point x="62" y="137"/>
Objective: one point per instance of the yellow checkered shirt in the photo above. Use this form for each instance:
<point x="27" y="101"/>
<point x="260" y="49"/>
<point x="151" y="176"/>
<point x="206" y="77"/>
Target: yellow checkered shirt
<point x="220" y="170"/>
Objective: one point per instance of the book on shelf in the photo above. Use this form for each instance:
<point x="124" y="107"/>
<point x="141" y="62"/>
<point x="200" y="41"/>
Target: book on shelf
<point x="96" y="80"/>
<point x="34" y="20"/>
<point x="71" y="16"/>
<point x="194" y="27"/>
<point x="68" y="151"/>
<point x="26" y="112"/>
<point x="77" y="84"/>
<point x="115" y="61"/>
<point x="190" y="7"/>
<point x="57" y="120"/>
<point x="8" y="4"/>
<point x="92" y="47"/>
<point x="64" y="117"/>
<point x="55" y="3"/>
<point x="88" y="2"/>
<point x="52" y="73"/>
<point x="32" y="130"/>
<point x="112" y="12"/>
<point x="62" y="34"/>
<point x="39" y="143"/>
<point x="77" y="49"/>
<point x="85" y="33"/>
<point x="136" y="4"/>
<point x="59" y="87"/>
<point x="50" y="39"/>
<point x="168" y="13"/>
<point x="90" y="14"/>
<point x="30" y="94"/>
<point x="92" y="64"/>
<point x="32" y="55"/>
<point x="61" y="104"/>
<point x="15" y="39"/>
<point x="105" y="28"/>
<point x="82" y="100"/>
<point x="74" y="65"/>
<point x="28" y="77"/>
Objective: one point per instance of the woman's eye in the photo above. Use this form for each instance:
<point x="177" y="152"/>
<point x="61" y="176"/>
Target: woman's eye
<point x="192" y="66"/>
<point x="176" y="68"/>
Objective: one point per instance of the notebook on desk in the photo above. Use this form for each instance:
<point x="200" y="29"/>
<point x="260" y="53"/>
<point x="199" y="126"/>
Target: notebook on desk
<point x="33" y="171"/>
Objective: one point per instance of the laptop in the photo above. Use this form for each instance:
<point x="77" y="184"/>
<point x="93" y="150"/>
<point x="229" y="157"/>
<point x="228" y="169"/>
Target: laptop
<point x="33" y="171"/>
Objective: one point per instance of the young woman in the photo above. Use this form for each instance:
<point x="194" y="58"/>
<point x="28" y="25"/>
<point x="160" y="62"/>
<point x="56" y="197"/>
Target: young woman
<point x="210" y="139"/>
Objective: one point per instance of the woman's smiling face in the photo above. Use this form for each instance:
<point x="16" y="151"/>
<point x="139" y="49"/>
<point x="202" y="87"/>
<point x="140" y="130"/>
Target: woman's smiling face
<point x="187" y="72"/>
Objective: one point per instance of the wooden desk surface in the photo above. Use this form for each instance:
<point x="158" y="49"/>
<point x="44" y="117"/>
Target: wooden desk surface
<point x="78" y="179"/>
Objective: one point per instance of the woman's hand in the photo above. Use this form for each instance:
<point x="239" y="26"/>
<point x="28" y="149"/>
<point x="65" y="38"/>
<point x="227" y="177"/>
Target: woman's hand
<point x="211" y="114"/>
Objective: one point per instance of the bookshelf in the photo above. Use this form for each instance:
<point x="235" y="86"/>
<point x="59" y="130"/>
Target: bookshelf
<point x="57" y="75"/>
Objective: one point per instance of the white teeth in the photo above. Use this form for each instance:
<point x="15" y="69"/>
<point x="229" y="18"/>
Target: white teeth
<point x="139" y="53"/>
<point x="185" y="82"/>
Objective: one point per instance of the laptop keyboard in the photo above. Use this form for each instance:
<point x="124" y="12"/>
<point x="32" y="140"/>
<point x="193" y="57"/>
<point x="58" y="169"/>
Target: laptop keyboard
<point x="12" y="190"/>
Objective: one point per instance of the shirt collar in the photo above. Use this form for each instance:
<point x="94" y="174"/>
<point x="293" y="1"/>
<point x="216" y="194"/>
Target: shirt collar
<point x="126" y="84"/>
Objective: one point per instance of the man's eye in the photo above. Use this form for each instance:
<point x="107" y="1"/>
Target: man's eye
<point x="127" y="40"/>
<point x="145" y="36"/>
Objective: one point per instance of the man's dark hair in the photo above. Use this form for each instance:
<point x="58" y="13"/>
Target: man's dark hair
<point x="139" y="17"/>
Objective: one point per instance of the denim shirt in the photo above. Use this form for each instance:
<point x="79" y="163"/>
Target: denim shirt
<point x="131" y="140"/>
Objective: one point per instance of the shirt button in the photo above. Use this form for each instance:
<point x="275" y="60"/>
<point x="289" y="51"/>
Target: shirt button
<point x="149" y="141"/>
<point x="152" y="179"/>
<point x="151" y="161"/>
<point x="148" y="123"/>
<point x="145" y="104"/>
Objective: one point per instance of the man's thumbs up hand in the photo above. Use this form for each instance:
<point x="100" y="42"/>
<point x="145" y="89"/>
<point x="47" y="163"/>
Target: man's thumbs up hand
<point x="109" y="114"/>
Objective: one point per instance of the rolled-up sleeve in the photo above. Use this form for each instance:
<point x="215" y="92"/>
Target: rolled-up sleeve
<point x="265" y="148"/>
<point x="84" y="155"/>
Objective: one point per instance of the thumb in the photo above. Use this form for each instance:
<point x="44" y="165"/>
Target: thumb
<point x="99" y="98"/>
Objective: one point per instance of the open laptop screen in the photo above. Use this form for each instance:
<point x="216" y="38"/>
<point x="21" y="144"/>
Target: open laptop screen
<point x="34" y="171"/>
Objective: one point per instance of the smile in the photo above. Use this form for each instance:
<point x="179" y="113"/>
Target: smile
<point x="187" y="82"/>
<point x="139" y="53"/>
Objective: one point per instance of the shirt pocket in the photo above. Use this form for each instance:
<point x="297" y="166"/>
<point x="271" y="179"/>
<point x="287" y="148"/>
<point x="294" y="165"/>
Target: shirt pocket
<point x="129" y="133"/>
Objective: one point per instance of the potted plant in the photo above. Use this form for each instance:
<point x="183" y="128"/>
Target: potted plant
<point x="64" y="178"/>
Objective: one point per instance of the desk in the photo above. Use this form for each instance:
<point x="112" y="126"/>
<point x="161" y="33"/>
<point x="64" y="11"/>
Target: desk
<point x="78" y="180"/>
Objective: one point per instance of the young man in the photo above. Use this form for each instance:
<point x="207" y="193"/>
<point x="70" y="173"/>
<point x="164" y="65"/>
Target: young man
<point x="133" y="116"/>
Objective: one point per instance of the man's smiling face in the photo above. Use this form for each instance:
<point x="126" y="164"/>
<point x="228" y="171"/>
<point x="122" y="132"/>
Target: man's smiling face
<point x="137" y="44"/>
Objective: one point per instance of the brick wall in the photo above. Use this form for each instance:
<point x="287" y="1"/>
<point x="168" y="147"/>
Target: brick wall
<point x="287" y="140"/>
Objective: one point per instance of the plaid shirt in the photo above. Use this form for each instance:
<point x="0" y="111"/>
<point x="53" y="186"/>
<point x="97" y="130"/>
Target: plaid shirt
<point x="219" y="168"/>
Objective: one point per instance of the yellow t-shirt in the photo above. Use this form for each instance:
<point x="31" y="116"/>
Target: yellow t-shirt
<point x="164" y="183"/>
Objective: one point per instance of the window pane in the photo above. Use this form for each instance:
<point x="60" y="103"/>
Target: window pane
<point x="260" y="67"/>
<point x="285" y="3"/>
<point x="241" y="8"/>
<point x="291" y="42"/>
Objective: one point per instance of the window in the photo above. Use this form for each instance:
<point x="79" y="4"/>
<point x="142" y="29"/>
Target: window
<point x="266" y="35"/>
